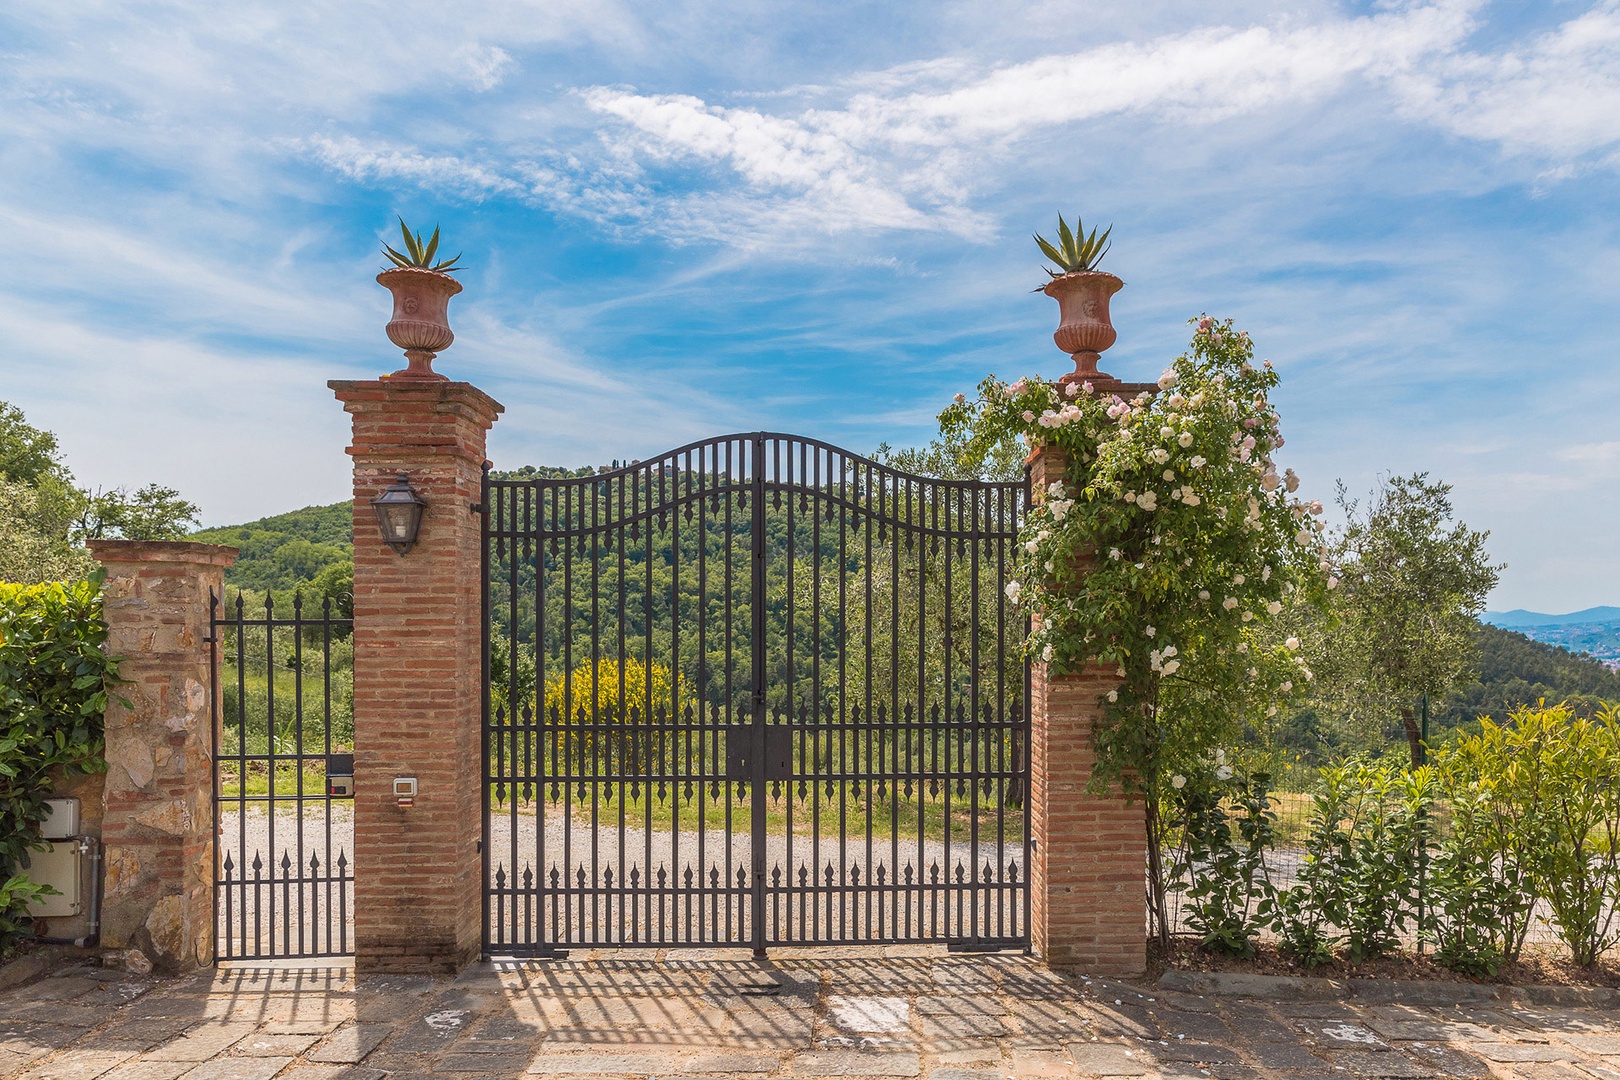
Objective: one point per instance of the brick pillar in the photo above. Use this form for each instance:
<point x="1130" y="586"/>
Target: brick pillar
<point x="418" y="677"/>
<point x="158" y="821"/>
<point x="1088" y="875"/>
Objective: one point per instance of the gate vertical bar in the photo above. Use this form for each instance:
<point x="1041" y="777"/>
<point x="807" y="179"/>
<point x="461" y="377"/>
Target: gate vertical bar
<point x="756" y="785"/>
<point x="484" y="843"/>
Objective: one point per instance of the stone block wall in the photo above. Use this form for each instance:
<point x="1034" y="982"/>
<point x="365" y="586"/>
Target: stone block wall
<point x="157" y="817"/>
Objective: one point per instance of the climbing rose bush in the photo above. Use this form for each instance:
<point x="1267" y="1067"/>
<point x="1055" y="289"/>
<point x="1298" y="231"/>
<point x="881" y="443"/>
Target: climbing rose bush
<point x="1165" y="552"/>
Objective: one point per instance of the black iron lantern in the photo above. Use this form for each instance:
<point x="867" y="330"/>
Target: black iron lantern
<point x="399" y="514"/>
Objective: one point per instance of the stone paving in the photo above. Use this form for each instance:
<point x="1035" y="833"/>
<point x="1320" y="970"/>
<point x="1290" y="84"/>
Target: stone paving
<point x="889" y="1013"/>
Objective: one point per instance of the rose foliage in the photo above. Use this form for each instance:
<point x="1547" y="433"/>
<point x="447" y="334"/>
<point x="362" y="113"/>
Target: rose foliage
<point x="1164" y="553"/>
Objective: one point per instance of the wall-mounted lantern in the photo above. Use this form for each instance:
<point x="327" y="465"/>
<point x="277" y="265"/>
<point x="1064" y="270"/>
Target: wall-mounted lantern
<point x="399" y="514"/>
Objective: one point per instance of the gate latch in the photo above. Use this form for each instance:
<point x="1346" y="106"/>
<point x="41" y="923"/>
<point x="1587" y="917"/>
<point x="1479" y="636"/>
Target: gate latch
<point x="778" y="753"/>
<point x="340" y="776"/>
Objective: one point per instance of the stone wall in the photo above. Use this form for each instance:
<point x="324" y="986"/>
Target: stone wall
<point x="157" y="823"/>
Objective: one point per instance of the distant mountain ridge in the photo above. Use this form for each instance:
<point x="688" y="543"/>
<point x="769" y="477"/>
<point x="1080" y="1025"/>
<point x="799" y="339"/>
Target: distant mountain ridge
<point x="1518" y="617"/>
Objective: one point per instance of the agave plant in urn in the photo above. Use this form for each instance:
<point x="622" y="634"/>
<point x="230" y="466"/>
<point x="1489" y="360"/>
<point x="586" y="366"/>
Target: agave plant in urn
<point x="422" y="290"/>
<point x="1082" y="292"/>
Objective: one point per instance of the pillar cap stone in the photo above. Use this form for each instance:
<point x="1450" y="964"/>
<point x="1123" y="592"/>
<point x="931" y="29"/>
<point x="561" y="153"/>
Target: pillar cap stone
<point x="385" y="389"/>
<point x="162" y="551"/>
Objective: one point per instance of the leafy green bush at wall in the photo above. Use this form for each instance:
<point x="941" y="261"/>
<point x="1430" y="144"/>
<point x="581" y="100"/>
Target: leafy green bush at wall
<point x="1462" y="849"/>
<point x="55" y="679"/>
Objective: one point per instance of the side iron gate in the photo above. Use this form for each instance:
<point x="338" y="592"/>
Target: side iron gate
<point x="756" y="691"/>
<point x="283" y="769"/>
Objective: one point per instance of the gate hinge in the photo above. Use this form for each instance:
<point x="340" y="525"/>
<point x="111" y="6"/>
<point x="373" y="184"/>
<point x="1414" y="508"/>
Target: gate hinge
<point x="477" y="508"/>
<point x="758" y="698"/>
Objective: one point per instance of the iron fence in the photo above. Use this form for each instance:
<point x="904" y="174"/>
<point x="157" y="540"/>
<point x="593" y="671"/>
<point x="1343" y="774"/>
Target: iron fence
<point x="283" y="723"/>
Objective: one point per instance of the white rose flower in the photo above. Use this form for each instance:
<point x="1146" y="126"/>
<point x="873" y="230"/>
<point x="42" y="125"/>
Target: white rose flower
<point x="1166" y="432"/>
<point x="1113" y="553"/>
<point x="1238" y="579"/>
<point x="1185" y="439"/>
<point x="960" y="398"/>
<point x="1223" y="772"/>
<point x="1150" y="631"/>
<point x="1229" y="603"/>
<point x="1286" y="687"/>
<point x="1178" y="781"/>
<point x="1171" y="667"/>
<point x="1147" y="501"/>
<point x="1248" y="616"/>
<point x="1013" y="590"/>
<point x="1203" y="594"/>
<point x="1198" y="461"/>
<point x="1113" y="695"/>
<point x="1243" y="646"/>
<point x="1332" y="582"/>
<point x="1273" y="608"/>
<point x="1291" y="643"/>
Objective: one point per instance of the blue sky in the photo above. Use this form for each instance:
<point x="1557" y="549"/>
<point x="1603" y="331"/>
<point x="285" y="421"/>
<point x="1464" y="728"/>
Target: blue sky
<point x="683" y="218"/>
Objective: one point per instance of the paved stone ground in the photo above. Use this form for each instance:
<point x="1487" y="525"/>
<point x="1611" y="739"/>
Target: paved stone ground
<point x="900" y="1013"/>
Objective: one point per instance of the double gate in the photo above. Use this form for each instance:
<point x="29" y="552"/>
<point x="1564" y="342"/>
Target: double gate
<point x="757" y="691"/>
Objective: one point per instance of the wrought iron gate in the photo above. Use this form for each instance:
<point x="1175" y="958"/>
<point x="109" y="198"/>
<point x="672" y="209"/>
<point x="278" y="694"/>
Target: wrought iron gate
<point x="756" y="691"/>
<point x="283" y="735"/>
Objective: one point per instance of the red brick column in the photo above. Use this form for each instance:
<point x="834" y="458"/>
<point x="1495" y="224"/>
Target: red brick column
<point x="1088" y="875"/>
<point x="157" y="823"/>
<point x="418" y="677"/>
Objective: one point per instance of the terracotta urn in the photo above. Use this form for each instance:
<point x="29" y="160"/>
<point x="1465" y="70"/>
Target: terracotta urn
<point x="1084" y="330"/>
<point x="421" y="321"/>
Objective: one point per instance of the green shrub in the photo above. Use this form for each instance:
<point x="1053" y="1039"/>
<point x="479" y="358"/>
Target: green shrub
<point x="55" y="678"/>
<point x="1359" y="882"/>
<point x="1563" y="769"/>
<point x="1480" y="893"/>
<point x="1306" y="915"/>
<point x="1225" y="874"/>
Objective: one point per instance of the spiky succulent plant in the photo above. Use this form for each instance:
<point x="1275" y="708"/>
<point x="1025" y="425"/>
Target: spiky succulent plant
<point x="1077" y="251"/>
<point x="418" y="254"/>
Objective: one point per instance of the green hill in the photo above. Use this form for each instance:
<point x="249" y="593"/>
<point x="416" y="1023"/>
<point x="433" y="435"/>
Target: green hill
<point x="1515" y="670"/>
<point x="291" y="550"/>
<point x="287" y="550"/>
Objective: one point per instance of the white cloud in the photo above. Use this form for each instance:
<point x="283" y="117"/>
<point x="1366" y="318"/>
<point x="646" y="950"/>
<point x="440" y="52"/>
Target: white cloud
<point x="902" y="158"/>
<point x="1558" y="97"/>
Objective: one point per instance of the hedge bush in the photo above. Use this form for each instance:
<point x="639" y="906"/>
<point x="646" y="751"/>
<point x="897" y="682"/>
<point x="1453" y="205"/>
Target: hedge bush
<point x="55" y="681"/>
<point x="1461" y="850"/>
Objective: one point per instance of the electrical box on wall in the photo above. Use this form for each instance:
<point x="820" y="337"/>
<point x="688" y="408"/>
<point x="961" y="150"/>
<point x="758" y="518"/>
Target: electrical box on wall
<point x="61" y="820"/>
<point x="60" y="868"/>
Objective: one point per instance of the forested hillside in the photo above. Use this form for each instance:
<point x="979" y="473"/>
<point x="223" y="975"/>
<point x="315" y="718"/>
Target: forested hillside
<point x="292" y="550"/>
<point x="288" y="550"/>
<point x="1515" y="670"/>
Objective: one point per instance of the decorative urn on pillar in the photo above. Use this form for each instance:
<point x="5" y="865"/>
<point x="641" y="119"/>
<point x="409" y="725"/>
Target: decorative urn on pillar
<point x="1082" y="292"/>
<point x="422" y="290"/>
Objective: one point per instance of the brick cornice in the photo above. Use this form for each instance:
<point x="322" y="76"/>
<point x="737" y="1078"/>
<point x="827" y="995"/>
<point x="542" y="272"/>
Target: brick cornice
<point x="364" y="395"/>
